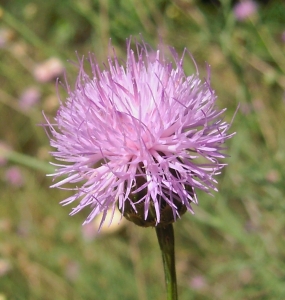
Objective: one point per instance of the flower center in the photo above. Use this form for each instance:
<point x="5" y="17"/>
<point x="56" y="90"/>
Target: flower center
<point x="134" y="133"/>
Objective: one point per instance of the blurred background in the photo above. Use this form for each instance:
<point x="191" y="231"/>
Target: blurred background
<point x="233" y="247"/>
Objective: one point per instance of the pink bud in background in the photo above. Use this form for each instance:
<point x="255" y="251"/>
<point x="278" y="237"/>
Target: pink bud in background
<point x="14" y="176"/>
<point x="48" y="70"/>
<point x="245" y="9"/>
<point x="198" y="282"/>
<point x="29" y="97"/>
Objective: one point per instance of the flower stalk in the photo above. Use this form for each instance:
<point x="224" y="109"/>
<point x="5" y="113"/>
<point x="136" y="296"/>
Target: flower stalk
<point x="165" y="236"/>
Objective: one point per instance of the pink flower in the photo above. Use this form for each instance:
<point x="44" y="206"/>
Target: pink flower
<point x="142" y="137"/>
<point x="48" y="70"/>
<point x="245" y="9"/>
<point x="198" y="282"/>
<point x="14" y="176"/>
<point x="29" y="97"/>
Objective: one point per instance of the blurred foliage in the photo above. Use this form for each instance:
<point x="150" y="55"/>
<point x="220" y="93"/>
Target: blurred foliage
<point x="233" y="247"/>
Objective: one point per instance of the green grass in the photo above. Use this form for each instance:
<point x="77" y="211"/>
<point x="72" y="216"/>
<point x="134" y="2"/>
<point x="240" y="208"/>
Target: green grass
<point x="234" y="244"/>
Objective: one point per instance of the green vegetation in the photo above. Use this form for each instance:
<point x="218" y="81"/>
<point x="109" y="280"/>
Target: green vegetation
<point x="234" y="246"/>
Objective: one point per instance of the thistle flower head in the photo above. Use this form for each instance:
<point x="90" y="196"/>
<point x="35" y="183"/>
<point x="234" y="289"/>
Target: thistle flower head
<point x="141" y="136"/>
<point x="245" y="9"/>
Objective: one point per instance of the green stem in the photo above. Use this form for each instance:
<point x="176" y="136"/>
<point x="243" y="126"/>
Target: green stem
<point x="165" y="236"/>
<point x="26" y="160"/>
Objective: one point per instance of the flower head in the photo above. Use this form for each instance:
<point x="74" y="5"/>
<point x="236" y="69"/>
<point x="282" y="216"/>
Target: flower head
<point x="29" y="97"/>
<point x="141" y="137"/>
<point x="14" y="176"/>
<point x="245" y="9"/>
